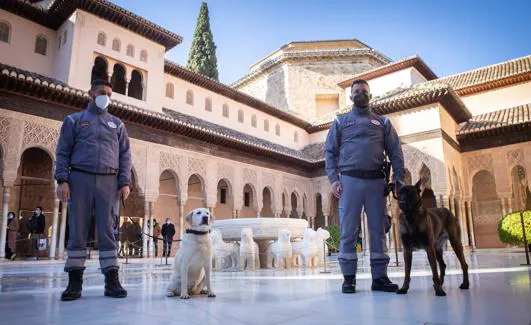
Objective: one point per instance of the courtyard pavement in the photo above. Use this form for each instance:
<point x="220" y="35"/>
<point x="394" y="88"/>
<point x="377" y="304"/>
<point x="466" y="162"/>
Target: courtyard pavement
<point x="500" y="293"/>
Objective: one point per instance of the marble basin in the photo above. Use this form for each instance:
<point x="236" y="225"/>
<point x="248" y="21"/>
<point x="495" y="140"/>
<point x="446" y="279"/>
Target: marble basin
<point x="264" y="229"/>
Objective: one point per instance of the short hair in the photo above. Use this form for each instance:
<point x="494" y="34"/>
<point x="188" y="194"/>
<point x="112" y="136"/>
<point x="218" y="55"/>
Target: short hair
<point x="99" y="82"/>
<point x="39" y="207"/>
<point x="358" y="82"/>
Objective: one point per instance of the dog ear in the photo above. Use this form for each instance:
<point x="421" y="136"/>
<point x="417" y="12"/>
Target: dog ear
<point x="188" y="217"/>
<point x="399" y="185"/>
<point x="418" y="184"/>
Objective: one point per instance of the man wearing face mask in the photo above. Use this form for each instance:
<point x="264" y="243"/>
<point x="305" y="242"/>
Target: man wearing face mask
<point x="93" y="170"/>
<point x="354" y="157"/>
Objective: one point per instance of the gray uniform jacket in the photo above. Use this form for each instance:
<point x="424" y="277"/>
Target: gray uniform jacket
<point x="95" y="142"/>
<point x="357" y="140"/>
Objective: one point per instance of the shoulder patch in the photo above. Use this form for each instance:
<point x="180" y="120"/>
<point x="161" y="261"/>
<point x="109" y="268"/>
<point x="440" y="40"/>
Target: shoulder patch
<point x="376" y="122"/>
<point x="111" y="125"/>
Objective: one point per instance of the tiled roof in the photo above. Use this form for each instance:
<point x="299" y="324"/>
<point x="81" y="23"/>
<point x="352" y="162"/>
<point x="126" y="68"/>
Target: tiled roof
<point x="229" y="92"/>
<point x="490" y="77"/>
<point x="60" y="10"/>
<point x="511" y="119"/>
<point x="314" y="151"/>
<point x="405" y="98"/>
<point x="413" y="61"/>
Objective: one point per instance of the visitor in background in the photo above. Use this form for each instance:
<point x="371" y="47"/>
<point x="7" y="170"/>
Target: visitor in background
<point x="12" y="232"/>
<point x="156" y="235"/>
<point x="36" y="225"/>
<point x="123" y="238"/>
<point x="168" y="231"/>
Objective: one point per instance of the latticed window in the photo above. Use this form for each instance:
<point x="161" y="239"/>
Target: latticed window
<point x="130" y="50"/>
<point x="277" y="130"/>
<point x="5" y="32"/>
<point x="41" y="45"/>
<point x="143" y="55"/>
<point x="226" y="110"/>
<point x="240" y="116"/>
<point x="266" y="125"/>
<point x="208" y="104"/>
<point x="169" y="90"/>
<point x="102" y="39"/>
<point x="190" y="97"/>
<point x="116" y="44"/>
<point x="253" y="121"/>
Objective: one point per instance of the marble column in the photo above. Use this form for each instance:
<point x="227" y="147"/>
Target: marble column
<point x="326" y="220"/>
<point x="62" y="231"/>
<point x="150" y="239"/>
<point x="181" y="220"/>
<point x="504" y="209"/>
<point x="462" y="220"/>
<point x="5" y="211"/>
<point x="471" y="224"/>
<point x="127" y="87"/>
<point x="53" y="242"/>
<point x="145" y="229"/>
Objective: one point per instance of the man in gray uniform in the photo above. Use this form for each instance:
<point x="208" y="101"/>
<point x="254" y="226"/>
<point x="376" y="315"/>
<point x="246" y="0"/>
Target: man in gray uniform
<point x="354" y="156"/>
<point x="93" y="170"/>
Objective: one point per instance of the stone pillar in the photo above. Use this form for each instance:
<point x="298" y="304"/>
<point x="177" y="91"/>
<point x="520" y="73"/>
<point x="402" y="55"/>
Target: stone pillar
<point x="471" y="223"/>
<point x="145" y="229"/>
<point x="181" y="220"/>
<point x="150" y="239"/>
<point x="510" y="204"/>
<point x="5" y="211"/>
<point x="127" y="87"/>
<point x="53" y="243"/>
<point x="211" y="209"/>
<point x="326" y="220"/>
<point x="62" y="231"/>
<point x="504" y="209"/>
<point x="462" y="220"/>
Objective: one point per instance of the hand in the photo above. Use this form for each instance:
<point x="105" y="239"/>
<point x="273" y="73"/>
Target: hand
<point x="63" y="192"/>
<point x="336" y="189"/>
<point x="124" y="192"/>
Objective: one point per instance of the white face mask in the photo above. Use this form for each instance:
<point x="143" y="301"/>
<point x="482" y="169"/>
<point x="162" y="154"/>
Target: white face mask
<point x="102" y="101"/>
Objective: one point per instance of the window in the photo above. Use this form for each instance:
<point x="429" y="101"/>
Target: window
<point x="136" y="88"/>
<point x="296" y="137"/>
<point x="102" y="39"/>
<point x="65" y="34"/>
<point x="118" y="79"/>
<point x="223" y="196"/>
<point x="266" y="125"/>
<point x="253" y="121"/>
<point x="226" y="110"/>
<point x="130" y="50"/>
<point x="208" y="104"/>
<point x="240" y="116"/>
<point x="247" y="199"/>
<point x="190" y="97"/>
<point x="5" y="32"/>
<point x="41" y="45"/>
<point x="277" y="130"/>
<point x="116" y="44"/>
<point x="143" y="55"/>
<point x="169" y="90"/>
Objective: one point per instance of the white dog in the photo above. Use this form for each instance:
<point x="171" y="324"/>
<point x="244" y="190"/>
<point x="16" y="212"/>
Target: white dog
<point x="322" y="236"/>
<point x="306" y="249"/>
<point x="279" y="253"/>
<point x="192" y="266"/>
<point x="249" y="258"/>
<point x="223" y="250"/>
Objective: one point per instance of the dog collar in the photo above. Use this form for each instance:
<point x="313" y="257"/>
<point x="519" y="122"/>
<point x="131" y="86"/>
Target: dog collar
<point x="197" y="232"/>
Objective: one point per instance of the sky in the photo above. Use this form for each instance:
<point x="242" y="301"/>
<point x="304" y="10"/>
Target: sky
<point x="450" y="36"/>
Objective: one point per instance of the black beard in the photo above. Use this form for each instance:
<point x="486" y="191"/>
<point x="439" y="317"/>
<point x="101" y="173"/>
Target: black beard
<point x="361" y="101"/>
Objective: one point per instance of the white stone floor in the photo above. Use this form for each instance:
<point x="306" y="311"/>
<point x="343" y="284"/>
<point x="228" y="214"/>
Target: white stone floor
<point x="500" y="294"/>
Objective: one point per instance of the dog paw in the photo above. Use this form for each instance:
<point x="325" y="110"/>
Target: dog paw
<point x="185" y="296"/>
<point x="203" y="292"/>
<point x="440" y="293"/>
<point x="211" y="295"/>
<point x="464" y="286"/>
<point x="170" y="294"/>
<point x="401" y="291"/>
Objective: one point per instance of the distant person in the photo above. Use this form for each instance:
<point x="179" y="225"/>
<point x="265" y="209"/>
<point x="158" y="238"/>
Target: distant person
<point x="12" y="233"/>
<point x="36" y="225"/>
<point x="168" y="231"/>
<point x="156" y="235"/>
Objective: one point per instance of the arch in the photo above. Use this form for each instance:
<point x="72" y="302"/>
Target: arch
<point x="5" y="32"/>
<point x="319" y="215"/>
<point x="102" y="39"/>
<point x="254" y="121"/>
<point x="99" y="69"/>
<point x="333" y="217"/>
<point x="143" y="56"/>
<point x="266" y="125"/>
<point x="41" y="44"/>
<point x="196" y="193"/>
<point x="226" y="110"/>
<point x="169" y="90"/>
<point x="118" y="79"/>
<point x="130" y="51"/>
<point x="518" y="188"/>
<point x="285" y="204"/>
<point x="304" y="206"/>
<point x="168" y="201"/>
<point x="225" y="200"/>
<point x="136" y="88"/>
<point x="116" y="45"/>
<point x="189" y="97"/>
<point x="295" y="203"/>
<point x="208" y="104"/>
<point x="240" y="116"/>
<point x="487" y="209"/>
<point x="277" y="129"/>
<point x="249" y="201"/>
<point x="268" y="203"/>
<point x="427" y="195"/>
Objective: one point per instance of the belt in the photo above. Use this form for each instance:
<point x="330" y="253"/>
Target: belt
<point x="110" y="172"/>
<point x="364" y="174"/>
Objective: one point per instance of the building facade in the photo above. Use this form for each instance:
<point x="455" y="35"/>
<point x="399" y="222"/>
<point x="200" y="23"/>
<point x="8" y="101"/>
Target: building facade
<point x="254" y="149"/>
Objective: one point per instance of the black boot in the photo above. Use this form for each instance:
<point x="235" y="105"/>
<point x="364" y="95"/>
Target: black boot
<point x="113" y="288"/>
<point x="75" y="283"/>
<point x="349" y="285"/>
<point x="383" y="284"/>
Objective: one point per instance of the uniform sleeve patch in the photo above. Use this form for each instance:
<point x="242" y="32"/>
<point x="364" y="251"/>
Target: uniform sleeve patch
<point x="376" y="122"/>
<point x="112" y="125"/>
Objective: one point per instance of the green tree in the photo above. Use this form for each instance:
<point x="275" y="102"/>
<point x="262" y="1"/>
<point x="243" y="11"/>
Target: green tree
<point x="202" y="56"/>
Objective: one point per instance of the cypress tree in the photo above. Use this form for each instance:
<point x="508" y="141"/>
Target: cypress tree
<point x="202" y="56"/>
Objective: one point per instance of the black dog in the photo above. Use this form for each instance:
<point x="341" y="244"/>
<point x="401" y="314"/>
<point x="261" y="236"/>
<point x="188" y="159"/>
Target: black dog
<point x="427" y="229"/>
